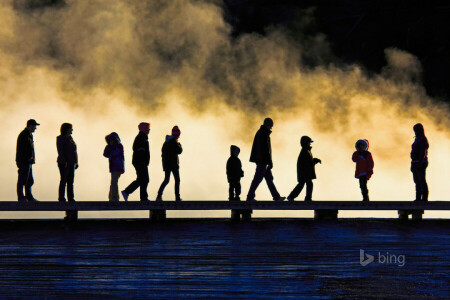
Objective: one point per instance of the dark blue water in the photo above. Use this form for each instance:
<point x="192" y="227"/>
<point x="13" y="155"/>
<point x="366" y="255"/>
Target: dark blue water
<point x="212" y="259"/>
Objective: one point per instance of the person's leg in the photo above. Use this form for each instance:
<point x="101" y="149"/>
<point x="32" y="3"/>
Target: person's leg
<point x="70" y="180"/>
<point x="297" y="190"/>
<point x="22" y="179"/>
<point x="273" y="190"/>
<point x="237" y="189"/>
<point x="309" y="190"/>
<point x="114" y="189"/>
<point x="62" y="182"/>
<point x="134" y="185"/>
<point x="230" y="191"/>
<point x="363" y="186"/>
<point x="424" y="184"/>
<point x="176" y="176"/>
<point x="164" y="183"/>
<point x="259" y="175"/>
<point x="29" y="183"/>
<point x="143" y="180"/>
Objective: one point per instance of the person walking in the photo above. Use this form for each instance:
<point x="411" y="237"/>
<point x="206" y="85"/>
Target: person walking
<point x="114" y="152"/>
<point x="305" y="170"/>
<point x="140" y="161"/>
<point x="67" y="162"/>
<point x="419" y="162"/>
<point x="364" y="166"/>
<point x="25" y="158"/>
<point x="171" y="164"/>
<point x="261" y="155"/>
<point x="234" y="174"/>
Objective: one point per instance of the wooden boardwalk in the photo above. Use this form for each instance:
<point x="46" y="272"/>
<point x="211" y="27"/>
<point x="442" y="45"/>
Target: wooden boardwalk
<point x="322" y="209"/>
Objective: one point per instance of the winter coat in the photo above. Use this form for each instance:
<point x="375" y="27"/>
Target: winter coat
<point x="25" y="148"/>
<point x="261" y="149"/>
<point x="141" y="150"/>
<point x="234" y="169"/>
<point x="306" y="165"/>
<point x="67" y="150"/>
<point x="364" y="163"/>
<point x="169" y="153"/>
<point x="116" y="157"/>
<point x="419" y="149"/>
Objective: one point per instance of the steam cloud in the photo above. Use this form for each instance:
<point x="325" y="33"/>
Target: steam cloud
<point x="107" y="65"/>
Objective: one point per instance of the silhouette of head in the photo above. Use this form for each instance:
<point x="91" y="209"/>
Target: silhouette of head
<point x="66" y="128"/>
<point x="362" y="145"/>
<point x="306" y="141"/>
<point x="268" y="122"/>
<point x="418" y="130"/>
<point x="31" y="125"/>
<point x="144" y="127"/>
<point x="176" y="132"/>
<point x="112" y="138"/>
<point x="234" y="150"/>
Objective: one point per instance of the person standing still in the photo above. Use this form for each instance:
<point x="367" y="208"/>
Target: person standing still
<point x="67" y="162"/>
<point x="262" y="155"/>
<point x="25" y="158"/>
<point x="114" y="152"/>
<point x="141" y="161"/>
<point x="419" y="162"/>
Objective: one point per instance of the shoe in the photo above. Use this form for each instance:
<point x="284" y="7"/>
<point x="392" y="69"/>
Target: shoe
<point x="124" y="195"/>
<point x="71" y="200"/>
<point x="32" y="199"/>
<point x="145" y="200"/>
<point x="308" y="200"/>
<point x="279" y="199"/>
<point x="62" y="200"/>
<point x="251" y="200"/>
<point x="178" y="199"/>
<point x="22" y="199"/>
<point x="159" y="199"/>
<point x="290" y="199"/>
<point x="237" y="199"/>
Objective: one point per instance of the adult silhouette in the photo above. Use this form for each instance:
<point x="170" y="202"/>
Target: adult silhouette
<point x="25" y="158"/>
<point x="67" y="161"/>
<point x="261" y="155"/>
<point x="419" y="162"/>
<point x="141" y="160"/>
<point x="171" y="164"/>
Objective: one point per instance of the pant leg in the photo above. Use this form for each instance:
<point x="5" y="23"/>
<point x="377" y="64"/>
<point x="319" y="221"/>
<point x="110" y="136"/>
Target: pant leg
<point x="309" y="189"/>
<point x="70" y="180"/>
<point x="134" y="185"/>
<point x="419" y="176"/>
<point x="269" y="180"/>
<point x="230" y="191"/>
<point x="29" y="183"/>
<point x="143" y="179"/>
<point x="114" y="188"/>
<point x="237" y="189"/>
<point x="164" y="183"/>
<point x="259" y="175"/>
<point x="363" y="185"/>
<point x="176" y="176"/>
<point x="297" y="190"/>
<point x="62" y="182"/>
<point x="22" y="179"/>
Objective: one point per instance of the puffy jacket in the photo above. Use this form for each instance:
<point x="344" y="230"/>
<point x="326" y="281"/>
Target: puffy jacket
<point x="169" y="153"/>
<point x="67" y="150"/>
<point x="364" y="163"/>
<point x="141" y="150"/>
<point x="306" y="165"/>
<point x="25" y="148"/>
<point x="234" y="169"/>
<point x="261" y="149"/>
<point x="116" y="157"/>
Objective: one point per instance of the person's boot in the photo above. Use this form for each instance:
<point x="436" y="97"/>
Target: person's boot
<point x="159" y="198"/>
<point x="178" y="198"/>
<point x="418" y="196"/>
<point x="366" y="197"/>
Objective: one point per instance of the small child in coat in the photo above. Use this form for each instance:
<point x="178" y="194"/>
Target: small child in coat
<point x="234" y="174"/>
<point x="114" y="152"/>
<point x="364" y="166"/>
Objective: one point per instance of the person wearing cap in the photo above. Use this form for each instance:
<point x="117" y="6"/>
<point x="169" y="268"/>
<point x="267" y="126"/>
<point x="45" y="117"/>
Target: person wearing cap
<point x="25" y="158"/>
<point x="171" y="164"/>
<point x="140" y="161"/>
<point x="67" y="162"/>
<point x="364" y="166"/>
<point x="234" y="174"/>
<point x="114" y="152"/>
<point x="261" y="155"/>
<point x="419" y="162"/>
<point x="306" y="172"/>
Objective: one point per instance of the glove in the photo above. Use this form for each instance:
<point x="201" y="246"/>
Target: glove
<point x="270" y="166"/>
<point x="76" y="166"/>
<point x="317" y="161"/>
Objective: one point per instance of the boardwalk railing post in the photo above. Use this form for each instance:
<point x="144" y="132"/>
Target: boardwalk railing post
<point x="71" y="215"/>
<point x="403" y="215"/>
<point x="158" y="215"/>
<point x="235" y="214"/>
<point x="246" y="214"/>
<point x="325" y="214"/>
<point x="417" y="214"/>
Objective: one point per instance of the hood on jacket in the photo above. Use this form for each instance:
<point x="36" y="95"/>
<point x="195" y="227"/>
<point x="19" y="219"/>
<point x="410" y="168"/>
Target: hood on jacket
<point x="306" y="141"/>
<point x="169" y="137"/>
<point x="364" y="143"/>
<point x="112" y="136"/>
<point x="234" y="149"/>
<point x="418" y="130"/>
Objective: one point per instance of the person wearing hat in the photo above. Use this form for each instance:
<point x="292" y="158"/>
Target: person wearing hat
<point x="306" y="172"/>
<point x="114" y="152"/>
<point x="364" y="166"/>
<point x="234" y="174"/>
<point x="25" y="158"/>
<point x="171" y="164"/>
<point x="140" y="161"/>
<point x="261" y="155"/>
<point x="67" y="162"/>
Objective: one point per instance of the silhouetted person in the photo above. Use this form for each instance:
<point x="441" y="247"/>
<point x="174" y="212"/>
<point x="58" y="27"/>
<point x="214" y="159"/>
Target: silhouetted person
<point x="364" y="166"/>
<point x="114" y="152"/>
<point x="25" y="158"/>
<point x="419" y="162"/>
<point x="171" y="164"/>
<point x="234" y="174"/>
<point x="141" y="160"/>
<point x="262" y="155"/>
<point x="67" y="161"/>
<point x="306" y="172"/>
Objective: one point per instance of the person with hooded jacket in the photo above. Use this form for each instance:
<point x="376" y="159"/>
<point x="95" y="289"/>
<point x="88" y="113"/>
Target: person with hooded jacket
<point x="364" y="166"/>
<point x="261" y="155"/>
<point x="140" y="161"/>
<point x="234" y="174"/>
<point x="170" y="161"/>
<point x="114" y="152"/>
<point x="305" y="170"/>
<point x="419" y="162"/>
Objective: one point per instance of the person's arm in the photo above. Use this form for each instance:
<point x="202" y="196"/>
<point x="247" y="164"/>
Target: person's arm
<point x="355" y="156"/>
<point x="107" y="151"/>
<point x="179" y="148"/>
<point x="60" y="147"/>
<point x="370" y="165"/>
